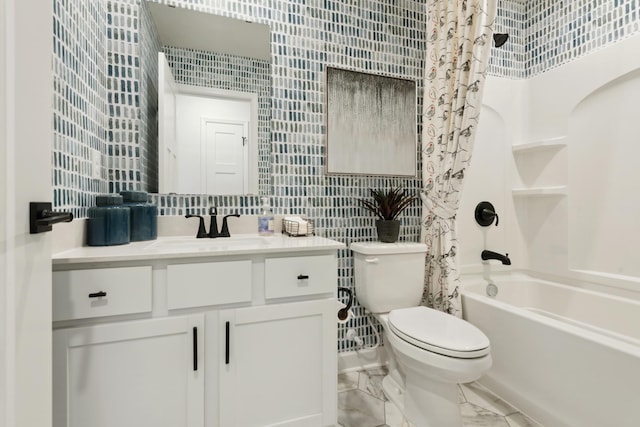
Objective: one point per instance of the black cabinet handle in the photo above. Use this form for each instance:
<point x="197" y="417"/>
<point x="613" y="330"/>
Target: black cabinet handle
<point x="98" y="294"/>
<point x="195" y="348"/>
<point x="226" y="344"/>
<point x="302" y="276"/>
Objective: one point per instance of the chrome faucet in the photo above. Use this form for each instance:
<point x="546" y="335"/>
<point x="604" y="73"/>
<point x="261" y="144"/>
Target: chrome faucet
<point x="487" y="255"/>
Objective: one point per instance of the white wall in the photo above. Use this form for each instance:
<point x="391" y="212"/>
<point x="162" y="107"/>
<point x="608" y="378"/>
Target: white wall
<point x="591" y="233"/>
<point x="167" y="147"/>
<point x="605" y="179"/>
<point x="25" y="175"/>
<point x="489" y="178"/>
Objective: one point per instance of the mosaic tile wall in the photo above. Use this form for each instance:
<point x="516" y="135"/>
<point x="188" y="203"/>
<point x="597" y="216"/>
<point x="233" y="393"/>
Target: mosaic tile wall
<point x="132" y="97"/>
<point x="558" y="31"/>
<point x="230" y="72"/>
<point x="150" y="46"/>
<point x="508" y="60"/>
<point x="382" y="37"/>
<point x="378" y="36"/>
<point x="80" y="110"/>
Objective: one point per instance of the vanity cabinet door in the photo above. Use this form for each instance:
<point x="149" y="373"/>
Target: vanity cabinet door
<point x="130" y="374"/>
<point x="278" y="365"/>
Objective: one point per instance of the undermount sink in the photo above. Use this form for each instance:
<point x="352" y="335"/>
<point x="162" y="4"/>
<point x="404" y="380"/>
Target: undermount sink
<point x="219" y="243"/>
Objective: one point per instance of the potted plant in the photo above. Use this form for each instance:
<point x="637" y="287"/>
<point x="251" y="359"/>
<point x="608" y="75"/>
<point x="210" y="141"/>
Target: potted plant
<point x="387" y="205"/>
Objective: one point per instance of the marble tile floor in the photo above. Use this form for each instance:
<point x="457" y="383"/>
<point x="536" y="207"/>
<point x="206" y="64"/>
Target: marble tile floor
<point x="361" y="403"/>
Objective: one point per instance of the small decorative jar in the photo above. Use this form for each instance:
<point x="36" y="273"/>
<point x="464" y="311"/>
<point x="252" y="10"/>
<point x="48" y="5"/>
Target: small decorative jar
<point x="143" y="215"/>
<point x="108" y="222"/>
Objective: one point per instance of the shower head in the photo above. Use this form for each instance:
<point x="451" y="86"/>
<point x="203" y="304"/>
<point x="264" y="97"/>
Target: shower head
<point x="500" y="39"/>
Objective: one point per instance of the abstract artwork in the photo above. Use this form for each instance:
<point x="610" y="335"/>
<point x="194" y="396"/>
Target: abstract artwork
<point x="371" y="124"/>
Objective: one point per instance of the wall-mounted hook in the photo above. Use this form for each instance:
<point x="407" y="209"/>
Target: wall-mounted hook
<point x="485" y="214"/>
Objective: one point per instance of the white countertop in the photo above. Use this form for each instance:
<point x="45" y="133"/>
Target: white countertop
<point x="190" y="247"/>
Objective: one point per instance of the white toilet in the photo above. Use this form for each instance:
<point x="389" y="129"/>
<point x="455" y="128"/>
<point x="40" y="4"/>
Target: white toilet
<point x="431" y="351"/>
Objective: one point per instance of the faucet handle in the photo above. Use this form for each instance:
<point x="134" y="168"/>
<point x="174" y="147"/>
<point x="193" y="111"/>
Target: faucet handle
<point x="225" y="227"/>
<point x="202" y="232"/>
<point x="485" y="214"/>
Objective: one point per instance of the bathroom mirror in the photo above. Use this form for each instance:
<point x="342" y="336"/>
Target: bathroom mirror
<point x="213" y="102"/>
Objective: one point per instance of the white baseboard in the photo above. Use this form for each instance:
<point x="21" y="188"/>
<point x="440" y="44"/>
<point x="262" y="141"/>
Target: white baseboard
<point x="362" y="359"/>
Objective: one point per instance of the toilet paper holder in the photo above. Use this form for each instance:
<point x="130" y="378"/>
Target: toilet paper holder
<point x="343" y="313"/>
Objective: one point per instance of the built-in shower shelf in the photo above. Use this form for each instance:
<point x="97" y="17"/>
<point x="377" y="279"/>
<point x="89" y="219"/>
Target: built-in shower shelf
<point x="545" y="144"/>
<point x="558" y="190"/>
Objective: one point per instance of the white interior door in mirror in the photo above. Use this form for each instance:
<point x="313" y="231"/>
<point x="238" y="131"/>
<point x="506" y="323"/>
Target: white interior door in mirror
<point x="213" y="134"/>
<point x="186" y="145"/>
<point x="223" y="157"/>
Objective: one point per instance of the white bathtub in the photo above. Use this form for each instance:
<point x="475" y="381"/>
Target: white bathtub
<point x="563" y="355"/>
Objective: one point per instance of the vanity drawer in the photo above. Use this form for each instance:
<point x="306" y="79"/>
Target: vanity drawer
<point x="81" y="294"/>
<point x="303" y="275"/>
<point x="211" y="283"/>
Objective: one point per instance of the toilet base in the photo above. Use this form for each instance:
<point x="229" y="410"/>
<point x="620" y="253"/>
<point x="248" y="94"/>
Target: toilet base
<point x="432" y="405"/>
<point x="393" y="392"/>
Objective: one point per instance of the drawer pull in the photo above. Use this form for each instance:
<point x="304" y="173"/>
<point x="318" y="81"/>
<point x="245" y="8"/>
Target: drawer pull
<point x="226" y="344"/>
<point x="302" y="277"/>
<point x="98" y="294"/>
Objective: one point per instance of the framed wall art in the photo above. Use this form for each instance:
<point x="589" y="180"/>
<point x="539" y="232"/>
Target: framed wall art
<point x="371" y="124"/>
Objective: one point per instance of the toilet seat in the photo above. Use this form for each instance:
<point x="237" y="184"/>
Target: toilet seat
<point x="438" y="332"/>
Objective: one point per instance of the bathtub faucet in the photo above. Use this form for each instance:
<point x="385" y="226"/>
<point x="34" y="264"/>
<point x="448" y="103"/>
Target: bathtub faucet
<point x="487" y="255"/>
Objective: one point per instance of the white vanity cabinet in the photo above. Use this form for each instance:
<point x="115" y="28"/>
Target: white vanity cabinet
<point x="277" y="365"/>
<point x="137" y="373"/>
<point x="215" y="339"/>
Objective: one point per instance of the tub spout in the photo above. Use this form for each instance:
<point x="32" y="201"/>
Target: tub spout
<point x="487" y="255"/>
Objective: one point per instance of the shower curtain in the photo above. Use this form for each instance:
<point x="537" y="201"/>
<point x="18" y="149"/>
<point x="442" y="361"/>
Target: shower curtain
<point x="459" y="36"/>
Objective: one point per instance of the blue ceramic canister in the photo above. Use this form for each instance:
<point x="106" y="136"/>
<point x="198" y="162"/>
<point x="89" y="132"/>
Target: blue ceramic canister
<point x="144" y="215"/>
<point x="108" y="222"/>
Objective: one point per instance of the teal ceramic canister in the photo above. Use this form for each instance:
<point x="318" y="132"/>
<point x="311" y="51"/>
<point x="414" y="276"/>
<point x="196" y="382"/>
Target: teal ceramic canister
<point x="108" y="222"/>
<point x="143" y="215"/>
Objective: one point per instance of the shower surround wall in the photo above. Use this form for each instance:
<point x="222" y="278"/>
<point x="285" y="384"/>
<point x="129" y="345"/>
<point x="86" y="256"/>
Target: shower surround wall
<point x="377" y="36"/>
<point x="572" y="214"/>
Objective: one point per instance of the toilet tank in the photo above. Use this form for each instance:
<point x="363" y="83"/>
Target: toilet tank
<point x="389" y="276"/>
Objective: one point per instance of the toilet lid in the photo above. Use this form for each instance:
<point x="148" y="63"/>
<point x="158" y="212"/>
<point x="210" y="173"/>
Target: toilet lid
<point x="439" y="332"/>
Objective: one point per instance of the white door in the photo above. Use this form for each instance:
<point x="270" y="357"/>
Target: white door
<point x="25" y="175"/>
<point x="224" y="157"/>
<point x="281" y="361"/>
<point x="130" y="374"/>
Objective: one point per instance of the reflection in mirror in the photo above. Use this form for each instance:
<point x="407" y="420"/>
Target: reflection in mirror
<point x="204" y="138"/>
<point x="214" y="87"/>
